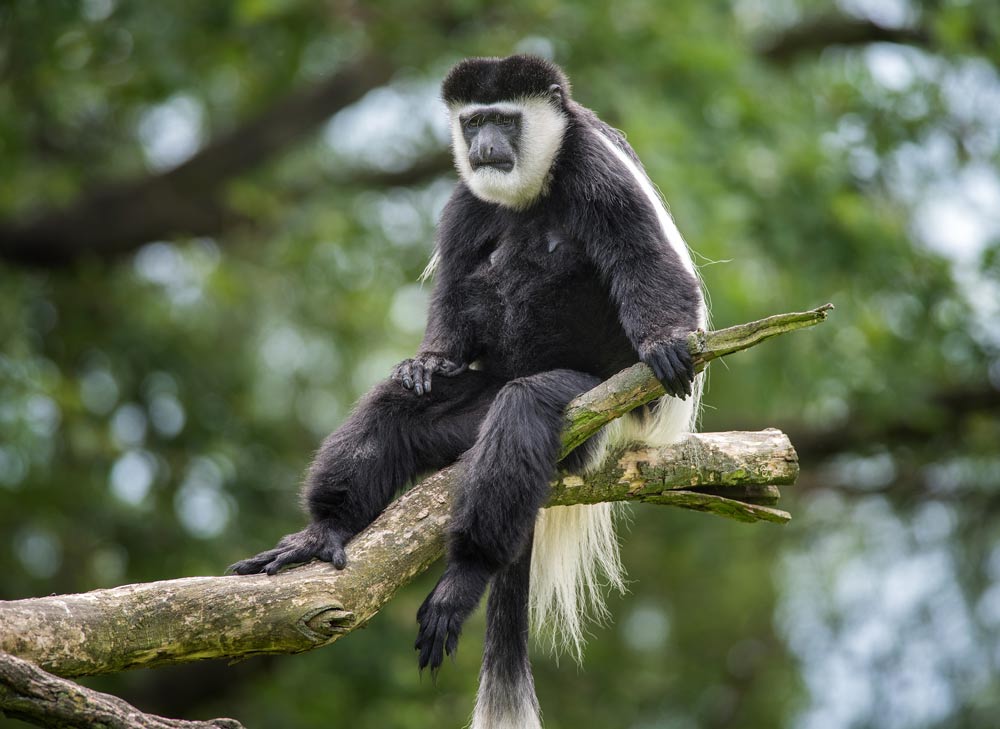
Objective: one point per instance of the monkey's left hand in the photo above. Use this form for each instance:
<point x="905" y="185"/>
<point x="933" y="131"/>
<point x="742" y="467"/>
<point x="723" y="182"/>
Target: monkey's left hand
<point x="441" y="616"/>
<point x="415" y="374"/>
<point x="671" y="362"/>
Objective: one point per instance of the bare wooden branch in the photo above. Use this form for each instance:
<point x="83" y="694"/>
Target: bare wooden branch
<point x="30" y="694"/>
<point x="731" y="474"/>
<point x="637" y="386"/>
<point x="187" y="619"/>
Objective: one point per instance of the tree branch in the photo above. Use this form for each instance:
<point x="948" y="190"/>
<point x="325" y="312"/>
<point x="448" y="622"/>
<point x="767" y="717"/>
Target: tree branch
<point x="812" y="36"/>
<point x="187" y="619"/>
<point x="730" y="474"/>
<point x="30" y="694"/>
<point x="186" y="199"/>
<point x="636" y="385"/>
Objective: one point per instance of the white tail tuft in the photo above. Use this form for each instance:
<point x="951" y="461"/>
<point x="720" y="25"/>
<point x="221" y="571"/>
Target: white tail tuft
<point x="506" y="704"/>
<point x="575" y="560"/>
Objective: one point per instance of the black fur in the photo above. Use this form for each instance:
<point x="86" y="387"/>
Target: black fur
<point x="549" y="301"/>
<point x="488" y="80"/>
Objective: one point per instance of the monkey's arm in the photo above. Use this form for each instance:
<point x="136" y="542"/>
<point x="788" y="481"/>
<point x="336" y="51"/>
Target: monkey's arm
<point x="449" y="342"/>
<point x="659" y="300"/>
<point x="445" y="350"/>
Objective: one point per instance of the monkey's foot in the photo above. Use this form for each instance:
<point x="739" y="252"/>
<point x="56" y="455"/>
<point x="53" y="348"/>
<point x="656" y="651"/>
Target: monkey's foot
<point x="444" y="611"/>
<point x="320" y="540"/>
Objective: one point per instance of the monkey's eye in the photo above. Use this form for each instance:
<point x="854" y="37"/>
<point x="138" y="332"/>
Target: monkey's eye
<point x="476" y="121"/>
<point x="504" y="121"/>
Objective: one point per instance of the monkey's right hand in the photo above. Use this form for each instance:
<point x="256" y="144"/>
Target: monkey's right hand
<point x="672" y="364"/>
<point x="320" y="540"/>
<point x="415" y="374"/>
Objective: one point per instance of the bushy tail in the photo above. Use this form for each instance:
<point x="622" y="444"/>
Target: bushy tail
<point x="506" y="697"/>
<point x="576" y="560"/>
<point x="576" y="557"/>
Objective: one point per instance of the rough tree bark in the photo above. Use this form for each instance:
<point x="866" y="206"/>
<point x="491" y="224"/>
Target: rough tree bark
<point x="175" y="621"/>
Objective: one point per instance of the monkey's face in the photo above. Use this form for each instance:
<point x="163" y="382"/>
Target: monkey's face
<point x="504" y="151"/>
<point x="492" y="135"/>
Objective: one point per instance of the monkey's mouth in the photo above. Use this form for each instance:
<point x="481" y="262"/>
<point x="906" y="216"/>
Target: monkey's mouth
<point x="501" y="165"/>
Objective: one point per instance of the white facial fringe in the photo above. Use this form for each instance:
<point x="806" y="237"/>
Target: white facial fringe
<point x="542" y="129"/>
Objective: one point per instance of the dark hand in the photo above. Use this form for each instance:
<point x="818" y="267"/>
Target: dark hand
<point x="672" y="364"/>
<point x="415" y="374"/>
<point x="319" y="540"/>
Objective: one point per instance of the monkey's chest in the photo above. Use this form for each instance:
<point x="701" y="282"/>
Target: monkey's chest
<point x="537" y="303"/>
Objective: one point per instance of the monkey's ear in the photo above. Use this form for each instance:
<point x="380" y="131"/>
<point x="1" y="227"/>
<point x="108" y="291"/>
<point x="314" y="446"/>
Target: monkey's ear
<point x="556" y="93"/>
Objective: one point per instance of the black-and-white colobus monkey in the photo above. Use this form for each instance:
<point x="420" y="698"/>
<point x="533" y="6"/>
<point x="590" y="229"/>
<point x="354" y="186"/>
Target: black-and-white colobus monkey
<point x="556" y="266"/>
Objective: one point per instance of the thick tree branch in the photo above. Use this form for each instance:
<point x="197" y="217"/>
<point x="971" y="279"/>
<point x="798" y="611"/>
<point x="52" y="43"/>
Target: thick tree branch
<point x="731" y="474"/>
<point x="185" y="200"/>
<point x="232" y="617"/>
<point x="30" y="694"/>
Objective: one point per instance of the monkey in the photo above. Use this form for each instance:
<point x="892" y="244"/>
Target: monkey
<point x="556" y="265"/>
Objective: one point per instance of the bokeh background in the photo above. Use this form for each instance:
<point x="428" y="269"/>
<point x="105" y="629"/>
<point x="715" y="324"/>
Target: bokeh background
<point x="212" y="220"/>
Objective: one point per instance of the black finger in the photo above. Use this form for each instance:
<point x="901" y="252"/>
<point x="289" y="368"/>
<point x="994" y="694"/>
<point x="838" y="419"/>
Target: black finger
<point x="408" y="374"/>
<point x="425" y="642"/>
<point x="292" y="556"/>
<point x="253" y="565"/>
<point x="244" y="567"/>
<point x="418" y="378"/>
<point x="427" y="380"/>
<point x="655" y="366"/>
<point x="437" y="643"/>
<point x="688" y="363"/>
<point x="685" y="368"/>
<point x="676" y="376"/>
<point x="418" y="643"/>
<point x="335" y="555"/>
<point x="665" y="373"/>
<point x="451" y="646"/>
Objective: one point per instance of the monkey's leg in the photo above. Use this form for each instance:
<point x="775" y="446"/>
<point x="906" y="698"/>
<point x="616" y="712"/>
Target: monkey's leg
<point x="392" y="436"/>
<point x="505" y="481"/>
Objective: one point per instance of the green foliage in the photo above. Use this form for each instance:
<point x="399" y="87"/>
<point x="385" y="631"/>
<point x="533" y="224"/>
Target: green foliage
<point x="156" y="411"/>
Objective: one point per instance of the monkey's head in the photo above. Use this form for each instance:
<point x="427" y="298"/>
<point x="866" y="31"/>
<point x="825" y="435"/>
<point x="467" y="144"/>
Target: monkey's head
<point x="507" y="120"/>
